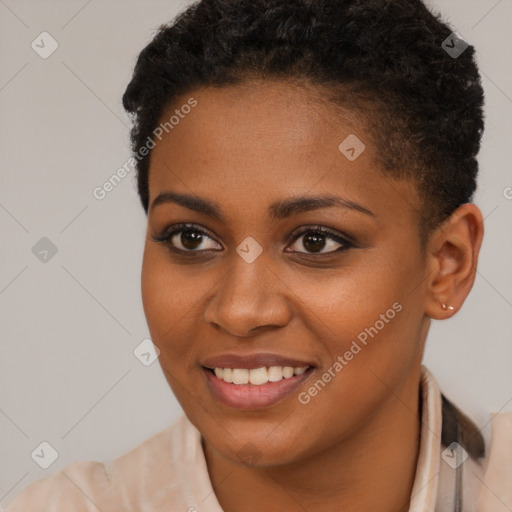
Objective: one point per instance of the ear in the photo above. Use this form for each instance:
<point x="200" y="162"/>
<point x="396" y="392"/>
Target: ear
<point x="452" y="252"/>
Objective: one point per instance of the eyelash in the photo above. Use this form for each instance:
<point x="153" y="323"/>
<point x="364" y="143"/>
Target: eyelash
<point x="166" y="235"/>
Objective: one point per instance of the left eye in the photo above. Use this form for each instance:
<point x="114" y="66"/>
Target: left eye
<point x="316" y="240"/>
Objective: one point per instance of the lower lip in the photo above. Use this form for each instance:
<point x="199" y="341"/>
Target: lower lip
<point x="250" y="396"/>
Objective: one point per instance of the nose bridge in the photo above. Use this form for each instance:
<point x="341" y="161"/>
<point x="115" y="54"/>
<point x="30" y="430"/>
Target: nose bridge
<point x="248" y="297"/>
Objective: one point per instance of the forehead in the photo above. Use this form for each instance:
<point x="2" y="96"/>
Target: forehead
<point x="265" y="141"/>
<point x="263" y="115"/>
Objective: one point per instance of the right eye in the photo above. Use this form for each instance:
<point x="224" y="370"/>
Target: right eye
<point x="187" y="238"/>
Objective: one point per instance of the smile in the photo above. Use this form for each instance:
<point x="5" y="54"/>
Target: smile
<point x="255" y="388"/>
<point x="258" y="376"/>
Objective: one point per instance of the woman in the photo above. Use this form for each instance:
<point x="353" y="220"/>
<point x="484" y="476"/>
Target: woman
<point x="307" y="171"/>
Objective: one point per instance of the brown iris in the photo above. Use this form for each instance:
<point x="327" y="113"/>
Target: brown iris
<point x="191" y="239"/>
<point x="314" y="242"/>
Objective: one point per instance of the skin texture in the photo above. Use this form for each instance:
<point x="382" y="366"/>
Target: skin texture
<point x="356" y="443"/>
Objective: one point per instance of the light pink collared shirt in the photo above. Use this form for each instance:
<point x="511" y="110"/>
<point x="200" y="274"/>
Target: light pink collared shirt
<point x="168" y="473"/>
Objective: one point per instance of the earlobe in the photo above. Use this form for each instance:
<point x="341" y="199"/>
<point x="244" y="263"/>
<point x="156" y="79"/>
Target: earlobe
<point x="439" y="310"/>
<point x="453" y="254"/>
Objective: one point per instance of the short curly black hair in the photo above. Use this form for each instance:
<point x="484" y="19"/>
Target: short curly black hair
<point x="422" y="105"/>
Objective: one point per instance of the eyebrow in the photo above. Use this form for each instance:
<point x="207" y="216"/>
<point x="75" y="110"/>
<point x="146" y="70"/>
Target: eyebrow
<point x="279" y="210"/>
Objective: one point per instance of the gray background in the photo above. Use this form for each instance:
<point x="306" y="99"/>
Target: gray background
<point x="68" y="327"/>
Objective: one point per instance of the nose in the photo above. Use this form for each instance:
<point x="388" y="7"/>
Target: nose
<point x="250" y="298"/>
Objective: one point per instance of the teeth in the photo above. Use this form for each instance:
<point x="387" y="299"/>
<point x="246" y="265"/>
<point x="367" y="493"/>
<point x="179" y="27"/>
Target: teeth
<point x="275" y="373"/>
<point x="240" y="376"/>
<point x="287" y="372"/>
<point x="258" y="376"/>
<point x="227" y="375"/>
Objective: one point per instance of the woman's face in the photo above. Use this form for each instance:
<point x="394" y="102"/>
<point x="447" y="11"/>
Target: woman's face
<point x="251" y="283"/>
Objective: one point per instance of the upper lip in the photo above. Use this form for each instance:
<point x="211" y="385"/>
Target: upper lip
<point x="249" y="361"/>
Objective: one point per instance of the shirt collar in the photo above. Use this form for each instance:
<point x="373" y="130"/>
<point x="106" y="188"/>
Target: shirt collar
<point x="426" y="481"/>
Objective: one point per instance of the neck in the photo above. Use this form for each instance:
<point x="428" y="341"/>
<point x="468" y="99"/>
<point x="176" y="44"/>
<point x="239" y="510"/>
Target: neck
<point x="372" y="469"/>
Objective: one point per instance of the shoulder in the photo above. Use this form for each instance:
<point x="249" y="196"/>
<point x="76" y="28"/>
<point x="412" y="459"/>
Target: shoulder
<point x="482" y="478"/>
<point x="69" y="486"/>
<point x="145" y="474"/>
<point x="496" y="490"/>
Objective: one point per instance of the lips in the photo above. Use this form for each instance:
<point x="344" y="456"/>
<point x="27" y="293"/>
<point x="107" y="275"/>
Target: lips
<point x="257" y="395"/>
<point x="251" y="361"/>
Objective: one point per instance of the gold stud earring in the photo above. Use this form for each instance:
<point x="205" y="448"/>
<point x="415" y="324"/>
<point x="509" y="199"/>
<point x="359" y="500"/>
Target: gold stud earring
<point x="444" y="306"/>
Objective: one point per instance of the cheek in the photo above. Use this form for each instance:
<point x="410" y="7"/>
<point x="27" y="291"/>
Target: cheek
<point x="340" y="305"/>
<point x="369" y="324"/>
<point x="168" y="300"/>
<point x="369" y="319"/>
